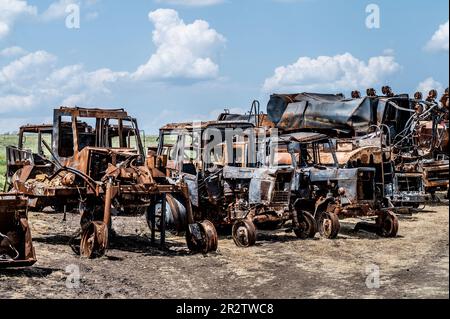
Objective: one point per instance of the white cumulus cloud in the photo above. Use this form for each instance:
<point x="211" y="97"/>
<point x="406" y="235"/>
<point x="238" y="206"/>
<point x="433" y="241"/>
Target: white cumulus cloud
<point x="35" y="79"/>
<point x="193" y="3"/>
<point x="185" y="51"/>
<point x="330" y="73"/>
<point x="428" y="84"/>
<point x="29" y="66"/>
<point x="439" y="40"/>
<point x="10" y="11"/>
<point x="12" y="52"/>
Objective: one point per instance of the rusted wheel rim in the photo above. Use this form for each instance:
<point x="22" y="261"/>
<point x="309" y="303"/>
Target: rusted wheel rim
<point x="329" y="225"/>
<point x="389" y="225"/>
<point x="307" y="226"/>
<point x="210" y="236"/>
<point x="244" y="233"/>
<point x="94" y="240"/>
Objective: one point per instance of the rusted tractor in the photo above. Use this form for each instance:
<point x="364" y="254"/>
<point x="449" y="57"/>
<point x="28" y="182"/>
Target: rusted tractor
<point x="96" y="165"/>
<point x="231" y="179"/>
<point x="331" y="193"/>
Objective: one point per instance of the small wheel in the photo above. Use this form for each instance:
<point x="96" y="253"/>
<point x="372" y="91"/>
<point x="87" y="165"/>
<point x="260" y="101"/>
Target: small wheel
<point x="94" y="240"/>
<point x="202" y="237"/>
<point x="328" y="225"/>
<point x="211" y="237"/>
<point x="387" y="225"/>
<point x="244" y="233"/>
<point x="307" y="227"/>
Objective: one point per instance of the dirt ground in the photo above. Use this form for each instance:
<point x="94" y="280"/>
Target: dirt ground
<point x="414" y="265"/>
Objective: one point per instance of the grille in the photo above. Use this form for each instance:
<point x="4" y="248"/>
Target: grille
<point x="280" y="197"/>
<point x="438" y="175"/>
<point x="409" y="183"/>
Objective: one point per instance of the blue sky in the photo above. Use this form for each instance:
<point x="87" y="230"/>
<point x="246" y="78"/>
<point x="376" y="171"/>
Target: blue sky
<point x="174" y="60"/>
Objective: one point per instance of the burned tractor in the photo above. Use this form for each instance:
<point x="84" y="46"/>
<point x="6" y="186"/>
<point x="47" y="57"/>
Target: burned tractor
<point x="18" y="156"/>
<point x="232" y="183"/>
<point x="402" y="189"/>
<point x="331" y="193"/>
<point x="96" y="166"/>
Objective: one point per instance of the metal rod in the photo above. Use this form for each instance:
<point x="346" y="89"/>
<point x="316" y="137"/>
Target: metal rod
<point x="163" y="221"/>
<point x="151" y="212"/>
<point x="57" y="162"/>
<point x="108" y="201"/>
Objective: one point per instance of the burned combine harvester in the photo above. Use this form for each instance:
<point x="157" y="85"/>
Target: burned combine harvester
<point x="377" y="131"/>
<point x="231" y="183"/>
<point x="95" y="164"/>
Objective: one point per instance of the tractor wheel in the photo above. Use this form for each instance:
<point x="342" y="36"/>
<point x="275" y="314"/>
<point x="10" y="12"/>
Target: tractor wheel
<point x="94" y="240"/>
<point x="328" y="225"/>
<point x="202" y="237"/>
<point x="307" y="227"/>
<point x="244" y="233"/>
<point x="387" y="224"/>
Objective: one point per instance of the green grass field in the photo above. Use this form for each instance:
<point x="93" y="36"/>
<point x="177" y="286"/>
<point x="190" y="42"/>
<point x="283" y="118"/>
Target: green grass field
<point x="31" y="143"/>
<point x="5" y="140"/>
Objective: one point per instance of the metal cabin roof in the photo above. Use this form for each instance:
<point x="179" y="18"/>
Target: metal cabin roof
<point x="208" y="124"/>
<point x="93" y="112"/>
<point x="304" y="137"/>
